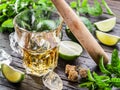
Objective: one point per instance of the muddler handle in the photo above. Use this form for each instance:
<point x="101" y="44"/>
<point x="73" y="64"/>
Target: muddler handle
<point x="80" y="31"/>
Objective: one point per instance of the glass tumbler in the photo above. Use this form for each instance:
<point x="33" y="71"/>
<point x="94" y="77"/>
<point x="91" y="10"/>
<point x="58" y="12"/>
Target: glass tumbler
<point x="38" y="36"/>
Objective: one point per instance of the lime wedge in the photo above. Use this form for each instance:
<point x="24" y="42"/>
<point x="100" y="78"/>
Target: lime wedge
<point x="69" y="50"/>
<point x="107" y="39"/>
<point x="106" y="25"/>
<point x="11" y="74"/>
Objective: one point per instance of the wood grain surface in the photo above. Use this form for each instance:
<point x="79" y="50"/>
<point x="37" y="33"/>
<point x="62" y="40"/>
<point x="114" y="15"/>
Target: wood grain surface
<point x="34" y="83"/>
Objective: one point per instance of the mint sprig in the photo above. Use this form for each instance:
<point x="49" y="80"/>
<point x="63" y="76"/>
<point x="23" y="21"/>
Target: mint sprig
<point x="96" y="9"/>
<point x="109" y="78"/>
<point x="10" y="8"/>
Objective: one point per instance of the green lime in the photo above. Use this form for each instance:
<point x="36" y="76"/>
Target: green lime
<point x="106" y="25"/>
<point x="69" y="50"/>
<point x="107" y="39"/>
<point x="70" y="35"/>
<point x="11" y="74"/>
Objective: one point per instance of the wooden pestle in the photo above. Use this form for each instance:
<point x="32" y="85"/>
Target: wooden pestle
<point x="80" y="31"/>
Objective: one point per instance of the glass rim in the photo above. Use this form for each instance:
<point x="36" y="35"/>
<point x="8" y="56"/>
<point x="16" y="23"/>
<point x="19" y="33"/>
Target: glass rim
<point x="24" y="29"/>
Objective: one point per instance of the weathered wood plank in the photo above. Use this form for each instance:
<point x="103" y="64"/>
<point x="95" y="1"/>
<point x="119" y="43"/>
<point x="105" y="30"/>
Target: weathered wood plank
<point x="31" y="83"/>
<point x="5" y="88"/>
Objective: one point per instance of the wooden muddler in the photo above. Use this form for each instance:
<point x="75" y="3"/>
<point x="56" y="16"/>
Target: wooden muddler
<point x="80" y="31"/>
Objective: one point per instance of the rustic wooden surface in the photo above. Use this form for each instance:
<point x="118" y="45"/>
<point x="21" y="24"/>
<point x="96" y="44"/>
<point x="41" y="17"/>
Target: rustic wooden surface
<point x="30" y="83"/>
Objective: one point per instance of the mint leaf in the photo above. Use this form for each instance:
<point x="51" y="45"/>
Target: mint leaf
<point x="101" y="81"/>
<point x="73" y="4"/>
<point x="96" y="10"/>
<point x="102" y="67"/>
<point x="10" y="8"/>
<point x="3" y="6"/>
<point x="115" y="58"/>
<point x="107" y="7"/>
<point x="8" y="23"/>
<point x="86" y="84"/>
<point x="90" y="77"/>
<point x="84" y="8"/>
<point x="115" y="82"/>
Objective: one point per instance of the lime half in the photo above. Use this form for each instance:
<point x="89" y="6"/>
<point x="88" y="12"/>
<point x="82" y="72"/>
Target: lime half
<point x="69" y="50"/>
<point x="107" y="39"/>
<point x="11" y="74"/>
<point x="106" y="25"/>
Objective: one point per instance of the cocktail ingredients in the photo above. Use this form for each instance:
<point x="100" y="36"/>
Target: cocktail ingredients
<point x="107" y="7"/>
<point x="70" y="70"/>
<point x="11" y="74"/>
<point x="106" y="25"/>
<point x="85" y="8"/>
<point x="107" y="39"/>
<point x="10" y="8"/>
<point x="109" y="78"/>
<point x="69" y="50"/>
<point x="52" y="81"/>
<point x="74" y="73"/>
<point x="83" y="72"/>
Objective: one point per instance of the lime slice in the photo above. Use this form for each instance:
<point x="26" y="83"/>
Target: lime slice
<point x="69" y="50"/>
<point x="106" y="25"/>
<point x="11" y="74"/>
<point x="107" y="39"/>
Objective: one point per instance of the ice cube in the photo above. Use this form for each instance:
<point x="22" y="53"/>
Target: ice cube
<point x="5" y="57"/>
<point x="52" y="81"/>
<point x="14" y="44"/>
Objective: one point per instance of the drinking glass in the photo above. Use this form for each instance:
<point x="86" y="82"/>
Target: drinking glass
<point x="38" y="36"/>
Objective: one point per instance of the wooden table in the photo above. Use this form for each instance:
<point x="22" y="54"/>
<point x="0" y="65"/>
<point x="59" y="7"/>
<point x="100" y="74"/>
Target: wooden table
<point x="31" y="84"/>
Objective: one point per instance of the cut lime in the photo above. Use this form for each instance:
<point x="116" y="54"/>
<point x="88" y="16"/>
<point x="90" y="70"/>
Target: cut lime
<point x="107" y="39"/>
<point x="106" y="25"/>
<point x="11" y="74"/>
<point x="70" y="35"/>
<point x="69" y="50"/>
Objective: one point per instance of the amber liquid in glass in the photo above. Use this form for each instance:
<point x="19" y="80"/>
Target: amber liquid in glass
<point x="40" y="63"/>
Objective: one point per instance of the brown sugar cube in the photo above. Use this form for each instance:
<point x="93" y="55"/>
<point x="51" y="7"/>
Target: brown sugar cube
<point x="73" y="75"/>
<point x="68" y="68"/>
<point x="83" y="72"/>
